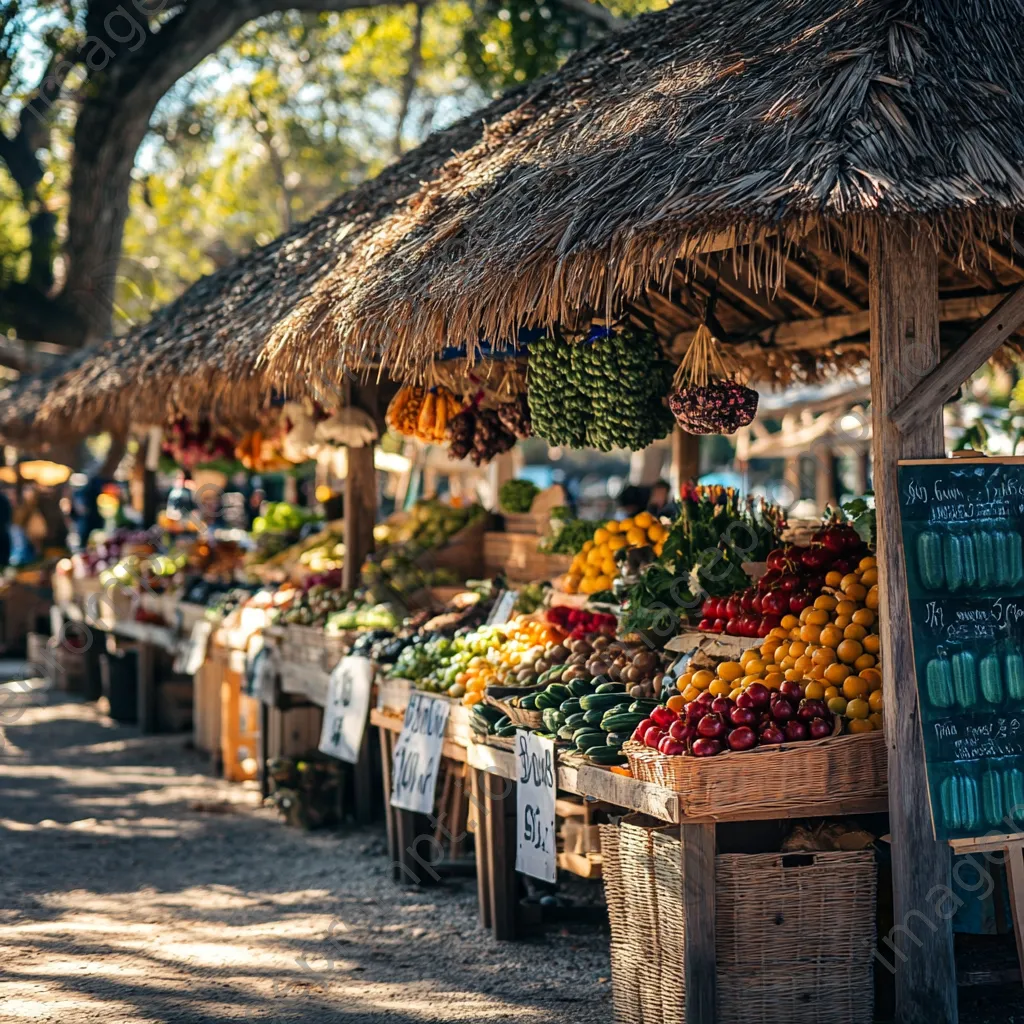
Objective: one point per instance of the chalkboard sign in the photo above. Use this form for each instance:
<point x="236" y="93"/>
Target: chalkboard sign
<point x="963" y="543"/>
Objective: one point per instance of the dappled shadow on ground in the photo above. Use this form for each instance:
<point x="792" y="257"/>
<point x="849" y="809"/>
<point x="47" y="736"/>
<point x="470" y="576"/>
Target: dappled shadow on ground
<point x="138" y="889"/>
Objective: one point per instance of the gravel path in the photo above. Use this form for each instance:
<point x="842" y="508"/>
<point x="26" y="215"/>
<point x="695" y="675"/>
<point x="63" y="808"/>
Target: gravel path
<point x="135" y="888"/>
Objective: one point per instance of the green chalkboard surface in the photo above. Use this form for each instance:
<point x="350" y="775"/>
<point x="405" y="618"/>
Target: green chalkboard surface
<point x="963" y="524"/>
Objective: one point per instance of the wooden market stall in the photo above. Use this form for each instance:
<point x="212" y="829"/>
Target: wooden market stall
<point x="819" y="184"/>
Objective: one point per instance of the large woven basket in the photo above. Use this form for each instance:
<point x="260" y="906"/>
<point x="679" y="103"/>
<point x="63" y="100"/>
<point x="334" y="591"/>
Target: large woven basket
<point x="794" y="932"/>
<point x="772" y="778"/>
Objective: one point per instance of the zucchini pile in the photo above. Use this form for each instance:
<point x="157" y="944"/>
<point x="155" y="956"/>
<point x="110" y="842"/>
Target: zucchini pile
<point x="966" y="806"/>
<point x="596" y="718"/>
<point x="487" y="720"/>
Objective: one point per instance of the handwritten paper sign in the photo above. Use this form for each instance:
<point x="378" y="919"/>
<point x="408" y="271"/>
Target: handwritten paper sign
<point x="190" y="657"/>
<point x="347" y="708"/>
<point x="535" y="806"/>
<point x="963" y="543"/>
<point x="417" y="755"/>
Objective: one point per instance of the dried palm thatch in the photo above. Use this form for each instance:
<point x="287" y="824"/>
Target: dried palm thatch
<point x="199" y="355"/>
<point x="778" y="125"/>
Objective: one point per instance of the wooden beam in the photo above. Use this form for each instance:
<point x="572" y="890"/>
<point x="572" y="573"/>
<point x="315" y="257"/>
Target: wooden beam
<point x="941" y="384"/>
<point x="905" y="348"/>
<point x="1001" y="259"/>
<point x="817" y="282"/>
<point x="699" y="964"/>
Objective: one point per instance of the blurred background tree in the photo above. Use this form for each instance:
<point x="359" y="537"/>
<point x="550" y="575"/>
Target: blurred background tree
<point x="145" y="142"/>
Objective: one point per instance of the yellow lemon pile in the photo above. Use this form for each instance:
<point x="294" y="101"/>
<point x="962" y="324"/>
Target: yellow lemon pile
<point x="594" y="569"/>
<point x="831" y="649"/>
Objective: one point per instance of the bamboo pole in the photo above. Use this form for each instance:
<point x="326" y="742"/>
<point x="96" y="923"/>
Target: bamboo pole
<point x="904" y="350"/>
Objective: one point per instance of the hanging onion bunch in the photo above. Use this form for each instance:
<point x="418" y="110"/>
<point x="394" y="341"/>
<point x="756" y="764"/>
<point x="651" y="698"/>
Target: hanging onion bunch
<point x="707" y="397"/>
<point x="480" y="434"/>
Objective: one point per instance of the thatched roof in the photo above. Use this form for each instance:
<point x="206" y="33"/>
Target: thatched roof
<point x="199" y="354"/>
<point x="796" y="125"/>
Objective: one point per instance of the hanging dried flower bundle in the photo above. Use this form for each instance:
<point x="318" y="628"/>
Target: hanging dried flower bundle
<point x="707" y="396"/>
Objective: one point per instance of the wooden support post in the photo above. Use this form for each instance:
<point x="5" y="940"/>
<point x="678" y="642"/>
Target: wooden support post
<point x="499" y="799"/>
<point x="699" y="964"/>
<point x="791" y="478"/>
<point x="685" y="458"/>
<point x="362" y="783"/>
<point x="862" y="471"/>
<point x="386" y="751"/>
<point x="264" y="747"/>
<point x="478" y="783"/>
<point x="905" y="349"/>
<point x="360" y="512"/>
<point x="146" y="682"/>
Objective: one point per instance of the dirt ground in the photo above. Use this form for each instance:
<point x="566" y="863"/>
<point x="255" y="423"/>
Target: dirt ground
<point x="135" y="888"/>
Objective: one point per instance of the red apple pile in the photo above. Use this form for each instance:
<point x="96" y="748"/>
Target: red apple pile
<point x="794" y="579"/>
<point x="758" y="717"/>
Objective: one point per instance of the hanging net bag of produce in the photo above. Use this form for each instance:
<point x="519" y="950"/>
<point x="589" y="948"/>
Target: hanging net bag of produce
<point x="707" y="396"/>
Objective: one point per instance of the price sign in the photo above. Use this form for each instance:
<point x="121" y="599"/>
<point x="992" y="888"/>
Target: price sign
<point x="347" y="708"/>
<point x="535" y="806"/>
<point x="502" y="610"/>
<point x="191" y="656"/>
<point x="417" y="754"/>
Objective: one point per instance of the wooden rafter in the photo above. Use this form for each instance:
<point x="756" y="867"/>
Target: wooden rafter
<point x="943" y="381"/>
<point x="817" y="282"/>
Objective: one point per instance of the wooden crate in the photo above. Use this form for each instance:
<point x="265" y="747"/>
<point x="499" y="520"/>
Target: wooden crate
<point x="526" y="522"/>
<point x="463" y="554"/>
<point x="206" y="701"/>
<point x="240" y="727"/>
<point x="292" y="732"/>
<point x="516" y="555"/>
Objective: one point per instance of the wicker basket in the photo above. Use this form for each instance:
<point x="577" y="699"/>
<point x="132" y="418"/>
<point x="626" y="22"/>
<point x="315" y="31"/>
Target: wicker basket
<point x="794" y="932"/>
<point x="772" y="778"/>
<point x="625" y="969"/>
<point x="516" y="715"/>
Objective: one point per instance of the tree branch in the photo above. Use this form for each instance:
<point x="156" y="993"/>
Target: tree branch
<point x="414" y="63"/>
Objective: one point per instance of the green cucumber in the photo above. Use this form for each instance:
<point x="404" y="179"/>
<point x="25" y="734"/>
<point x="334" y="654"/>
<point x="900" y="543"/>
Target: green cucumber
<point x="544" y="700"/>
<point x="593" y="716"/>
<point x="576" y="720"/>
<point x="606" y="755"/>
<point x="616" y="739"/>
<point x="929" y="560"/>
<point x="610" y="688"/>
<point x="506" y="730"/>
<point x="585" y="730"/>
<point x="615" y="721"/>
<point x="990" y="673"/>
<point x="643" y="706"/>
<point x="985" y="552"/>
<point x="565" y="732"/>
<point x="952" y="560"/>
<point x="1015" y="675"/>
<point x="940" y="682"/>
<point x="580" y="687"/>
<point x="604" y="701"/>
<point x="1013" y="790"/>
<point x="553" y="719"/>
<point x="590" y="740"/>
<point x="965" y="679"/>
<point x="970" y="561"/>
<point x="558" y="692"/>
<point x="992" y="796"/>
<point x="528" y="702"/>
<point x="570" y="706"/>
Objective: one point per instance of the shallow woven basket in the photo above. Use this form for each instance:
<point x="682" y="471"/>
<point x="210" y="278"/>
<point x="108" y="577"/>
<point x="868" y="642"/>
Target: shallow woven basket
<point x="772" y="778"/>
<point x="516" y="715"/>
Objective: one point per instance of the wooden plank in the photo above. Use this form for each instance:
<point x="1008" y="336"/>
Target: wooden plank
<point x="699" y="966"/>
<point x="904" y="349"/>
<point x="386" y="750"/>
<point x="942" y="382"/>
<point x="582" y="864"/>
<point x="816" y="282"/>
<point x="1015" y="882"/>
<point x="626" y="792"/>
<point x="362" y="783"/>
